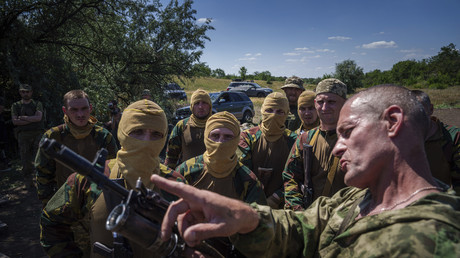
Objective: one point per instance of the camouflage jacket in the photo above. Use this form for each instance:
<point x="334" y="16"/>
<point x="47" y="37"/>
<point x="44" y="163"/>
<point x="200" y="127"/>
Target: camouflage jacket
<point x="51" y="175"/>
<point x="322" y="163"/>
<point x="194" y="144"/>
<point x="245" y="181"/>
<point x="20" y="109"/>
<point x="71" y="205"/>
<point x="444" y="155"/>
<point x="248" y="141"/>
<point x="293" y="121"/>
<point x="429" y="227"/>
<point x="454" y="133"/>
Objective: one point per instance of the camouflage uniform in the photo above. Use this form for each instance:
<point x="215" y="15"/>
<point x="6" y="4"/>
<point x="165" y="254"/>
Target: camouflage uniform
<point x="28" y="135"/>
<point x="428" y="227"/>
<point x="257" y="152"/>
<point x="76" y="202"/>
<point x="454" y="133"/>
<point x="51" y="175"/>
<point x="184" y="143"/>
<point x="443" y="156"/>
<point x="323" y="166"/>
<point x="245" y="186"/>
<point x="293" y="121"/>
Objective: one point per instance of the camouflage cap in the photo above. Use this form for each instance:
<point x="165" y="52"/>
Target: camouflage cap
<point x="24" y="86"/>
<point x="146" y="92"/>
<point x="293" y="82"/>
<point x="332" y="85"/>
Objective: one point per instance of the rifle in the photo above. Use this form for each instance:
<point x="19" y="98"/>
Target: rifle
<point x="138" y="217"/>
<point x="307" y="187"/>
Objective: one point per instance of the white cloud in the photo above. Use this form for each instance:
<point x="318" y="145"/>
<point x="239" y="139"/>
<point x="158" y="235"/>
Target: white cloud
<point x="301" y="49"/>
<point x="248" y="54"/>
<point x="380" y="44"/>
<point x="339" y="38"/>
<point x="325" y="50"/>
<point x="291" y="54"/>
<point x="202" y="20"/>
<point x="247" y="59"/>
<point x="408" y="50"/>
<point x="258" y="54"/>
<point x="291" y="60"/>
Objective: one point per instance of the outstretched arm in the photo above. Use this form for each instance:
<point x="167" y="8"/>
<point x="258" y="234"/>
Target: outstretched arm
<point x="201" y="214"/>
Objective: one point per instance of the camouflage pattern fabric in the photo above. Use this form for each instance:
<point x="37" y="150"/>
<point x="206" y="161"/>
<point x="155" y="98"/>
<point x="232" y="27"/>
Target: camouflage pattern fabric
<point x="70" y="206"/>
<point x="332" y="85"/>
<point x="443" y="156"/>
<point x="245" y="181"/>
<point x="248" y="140"/>
<point x="20" y="109"/>
<point x="293" y="121"/>
<point x="429" y="227"/>
<point x="47" y="168"/>
<point x="454" y="133"/>
<point x="322" y="162"/>
<point x="174" y="151"/>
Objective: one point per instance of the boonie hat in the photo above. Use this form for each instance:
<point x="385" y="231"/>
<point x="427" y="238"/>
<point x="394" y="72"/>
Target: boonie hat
<point x="24" y="86"/>
<point x="293" y="82"/>
<point x="332" y="85"/>
<point x="146" y="92"/>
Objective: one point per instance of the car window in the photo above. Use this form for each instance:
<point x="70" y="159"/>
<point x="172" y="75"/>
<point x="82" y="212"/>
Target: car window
<point x="236" y="97"/>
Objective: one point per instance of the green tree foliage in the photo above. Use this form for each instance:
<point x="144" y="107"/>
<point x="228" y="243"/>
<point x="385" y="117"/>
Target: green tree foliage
<point x="218" y="73"/>
<point x="350" y="74"/>
<point x="243" y="71"/>
<point x="113" y="49"/>
<point x="201" y="70"/>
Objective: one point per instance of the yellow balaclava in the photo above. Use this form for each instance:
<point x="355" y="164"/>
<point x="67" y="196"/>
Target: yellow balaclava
<point x="272" y="125"/>
<point x="307" y="99"/>
<point x="199" y="95"/>
<point x="220" y="157"/>
<point x="138" y="158"/>
<point x="80" y="132"/>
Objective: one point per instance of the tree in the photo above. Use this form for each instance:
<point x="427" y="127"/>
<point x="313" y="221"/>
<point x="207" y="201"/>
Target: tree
<point x="111" y="48"/>
<point x="201" y="70"/>
<point x="350" y="74"/>
<point x="243" y="71"/>
<point x="219" y="73"/>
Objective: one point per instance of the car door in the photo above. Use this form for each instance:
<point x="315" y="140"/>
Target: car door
<point x="223" y="103"/>
<point x="238" y="105"/>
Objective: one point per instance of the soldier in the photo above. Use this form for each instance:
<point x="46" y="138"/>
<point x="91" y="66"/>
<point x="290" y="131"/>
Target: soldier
<point x="27" y="116"/>
<point x="395" y="207"/>
<point x="443" y="156"/>
<point x="146" y="94"/>
<point x="142" y="133"/>
<point x="218" y="169"/>
<point x="293" y="87"/>
<point x="307" y="112"/>
<point x="80" y="133"/>
<point x="325" y="176"/>
<point x="187" y="137"/>
<point x="265" y="148"/>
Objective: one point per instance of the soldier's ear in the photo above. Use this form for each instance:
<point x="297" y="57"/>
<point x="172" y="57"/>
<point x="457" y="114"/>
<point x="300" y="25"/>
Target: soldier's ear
<point x="393" y="116"/>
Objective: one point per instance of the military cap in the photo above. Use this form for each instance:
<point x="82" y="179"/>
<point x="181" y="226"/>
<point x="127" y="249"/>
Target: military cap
<point x="332" y="85"/>
<point x="293" y="82"/>
<point x="146" y="92"/>
<point x="24" y="86"/>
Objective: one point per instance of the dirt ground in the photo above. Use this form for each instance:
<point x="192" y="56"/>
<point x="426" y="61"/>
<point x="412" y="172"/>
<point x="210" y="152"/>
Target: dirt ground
<point x="22" y="212"/>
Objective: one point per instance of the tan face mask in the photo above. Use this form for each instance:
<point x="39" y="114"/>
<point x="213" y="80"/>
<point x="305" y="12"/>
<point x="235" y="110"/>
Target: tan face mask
<point x="307" y="98"/>
<point x="80" y="132"/>
<point x="272" y="125"/>
<point x="138" y="158"/>
<point x="220" y="157"/>
<point x="199" y="95"/>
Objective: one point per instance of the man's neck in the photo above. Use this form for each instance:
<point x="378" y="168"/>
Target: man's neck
<point x="24" y="101"/>
<point x="328" y="127"/>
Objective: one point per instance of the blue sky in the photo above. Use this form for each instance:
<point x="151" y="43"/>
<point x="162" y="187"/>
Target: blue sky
<point x="307" y="38"/>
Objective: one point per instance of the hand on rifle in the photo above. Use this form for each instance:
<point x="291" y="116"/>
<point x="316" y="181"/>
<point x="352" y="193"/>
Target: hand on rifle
<point x="201" y="214"/>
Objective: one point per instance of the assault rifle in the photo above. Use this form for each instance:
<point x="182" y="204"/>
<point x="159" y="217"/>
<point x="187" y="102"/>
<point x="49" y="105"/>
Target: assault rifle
<point x="307" y="187"/>
<point x="138" y="217"/>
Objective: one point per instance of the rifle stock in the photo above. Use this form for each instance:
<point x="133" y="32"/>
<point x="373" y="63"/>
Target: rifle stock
<point x="139" y="216"/>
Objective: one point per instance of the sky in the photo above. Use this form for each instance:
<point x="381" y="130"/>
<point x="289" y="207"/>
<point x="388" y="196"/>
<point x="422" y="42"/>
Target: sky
<point x="308" y="38"/>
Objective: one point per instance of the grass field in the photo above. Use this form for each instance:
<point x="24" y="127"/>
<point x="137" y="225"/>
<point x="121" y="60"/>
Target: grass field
<point x="446" y="98"/>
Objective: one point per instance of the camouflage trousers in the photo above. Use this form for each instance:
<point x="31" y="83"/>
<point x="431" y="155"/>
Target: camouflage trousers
<point x="28" y="145"/>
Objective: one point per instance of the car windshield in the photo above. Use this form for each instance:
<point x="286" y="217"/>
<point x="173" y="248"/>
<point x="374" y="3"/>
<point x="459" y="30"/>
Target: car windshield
<point x="214" y="96"/>
<point x="173" y="86"/>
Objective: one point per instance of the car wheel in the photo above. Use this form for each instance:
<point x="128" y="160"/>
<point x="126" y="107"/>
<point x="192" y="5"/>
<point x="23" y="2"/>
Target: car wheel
<point x="247" y="117"/>
<point x="260" y="95"/>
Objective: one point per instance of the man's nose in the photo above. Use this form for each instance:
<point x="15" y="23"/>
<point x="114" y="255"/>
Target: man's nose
<point x="339" y="149"/>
